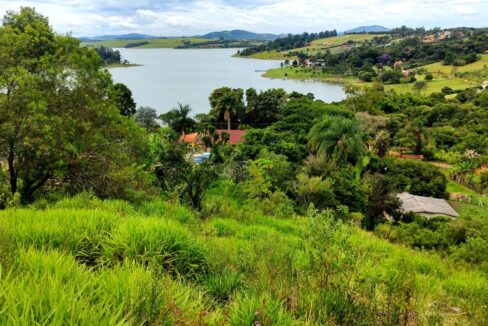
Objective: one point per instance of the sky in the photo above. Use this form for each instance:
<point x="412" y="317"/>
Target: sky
<point x="197" y="17"/>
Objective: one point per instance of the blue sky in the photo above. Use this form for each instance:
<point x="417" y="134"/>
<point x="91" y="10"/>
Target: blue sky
<point x="193" y="17"/>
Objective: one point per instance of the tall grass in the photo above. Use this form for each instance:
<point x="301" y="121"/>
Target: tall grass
<point x="108" y="262"/>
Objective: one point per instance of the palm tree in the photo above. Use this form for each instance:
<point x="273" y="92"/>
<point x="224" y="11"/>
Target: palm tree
<point x="227" y="105"/>
<point x="178" y="119"/>
<point x="339" y="138"/>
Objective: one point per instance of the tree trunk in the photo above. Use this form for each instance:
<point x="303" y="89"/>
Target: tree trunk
<point x="12" y="172"/>
<point x="27" y="194"/>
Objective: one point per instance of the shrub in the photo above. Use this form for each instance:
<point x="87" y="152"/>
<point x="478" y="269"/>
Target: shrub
<point x="417" y="177"/>
<point x="483" y="182"/>
<point x="420" y="85"/>
<point x="447" y="90"/>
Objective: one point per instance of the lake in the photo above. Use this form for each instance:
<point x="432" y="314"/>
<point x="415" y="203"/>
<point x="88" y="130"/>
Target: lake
<point x="169" y="76"/>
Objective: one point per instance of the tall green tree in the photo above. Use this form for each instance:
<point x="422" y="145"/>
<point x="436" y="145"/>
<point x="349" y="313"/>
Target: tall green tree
<point x="340" y="138"/>
<point x="123" y="99"/>
<point x="178" y="119"/>
<point x="146" y="117"/>
<point x="58" y="123"/>
<point x="263" y="109"/>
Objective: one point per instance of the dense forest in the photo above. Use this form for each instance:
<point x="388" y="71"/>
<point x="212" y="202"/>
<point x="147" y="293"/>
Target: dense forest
<point x="105" y="217"/>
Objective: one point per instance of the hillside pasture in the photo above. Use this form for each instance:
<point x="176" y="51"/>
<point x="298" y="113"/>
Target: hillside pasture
<point x="336" y="43"/>
<point x="449" y="70"/>
<point x="434" y="86"/>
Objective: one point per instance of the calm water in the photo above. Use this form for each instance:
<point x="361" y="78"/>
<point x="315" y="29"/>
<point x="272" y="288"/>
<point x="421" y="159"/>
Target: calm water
<point x="169" y="76"/>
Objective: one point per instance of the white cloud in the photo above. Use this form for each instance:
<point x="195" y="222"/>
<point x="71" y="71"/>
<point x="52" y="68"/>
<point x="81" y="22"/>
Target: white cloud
<point x="172" y="17"/>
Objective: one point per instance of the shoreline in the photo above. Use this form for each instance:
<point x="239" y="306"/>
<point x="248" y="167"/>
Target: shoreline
<point x="121" y="65"/>
<point x="290" y="73"/>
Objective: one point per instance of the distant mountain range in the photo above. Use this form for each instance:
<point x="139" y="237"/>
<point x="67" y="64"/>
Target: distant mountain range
<point x="238" y="34"/>
<point x="225" y="35"/>
<point x="368" y="29"/>
<point x="235" y="34"/>
<point x="132" y="36"/>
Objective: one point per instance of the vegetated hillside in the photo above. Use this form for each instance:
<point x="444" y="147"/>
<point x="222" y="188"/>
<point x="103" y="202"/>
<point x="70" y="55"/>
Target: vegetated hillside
<point x="368" y="29"/>
<point x="334" y="44"/>
<point x="83" y="260"/>
<point x="405" y="60"/>
<point x="240" y="35"/>
<point x="146" y="43"/>
<point x="291" y="41"/>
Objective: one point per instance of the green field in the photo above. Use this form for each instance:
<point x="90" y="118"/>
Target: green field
<point x="439" y="68"/>
<point x="91" y="262"/>
<point x="153" y="43"/>
<point x="468" y="209"/>
<point x="434" y="86"/>
<point x="334" y="43"/>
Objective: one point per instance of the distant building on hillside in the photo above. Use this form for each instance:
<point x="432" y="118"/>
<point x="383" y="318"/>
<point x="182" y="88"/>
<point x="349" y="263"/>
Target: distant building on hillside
<point x="406" y="73"/>
<point x="426" y="206"/>
<point x="398" y="64"/>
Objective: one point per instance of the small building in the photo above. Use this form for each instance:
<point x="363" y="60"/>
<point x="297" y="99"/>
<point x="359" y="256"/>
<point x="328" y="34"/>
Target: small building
<point x="406" y="73"/>
<point x="193" y="139"/>
<point x="398" y="64"/>
<point x="427" y="207"/>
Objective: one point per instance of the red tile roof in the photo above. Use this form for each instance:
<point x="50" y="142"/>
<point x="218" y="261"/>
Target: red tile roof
<point x="190" y="138"/>
<point x="236" y="136"/>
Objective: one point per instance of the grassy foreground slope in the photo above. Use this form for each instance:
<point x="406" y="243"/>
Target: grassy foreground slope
<point x="86" y="261"/>
<point x="152" y="43"/>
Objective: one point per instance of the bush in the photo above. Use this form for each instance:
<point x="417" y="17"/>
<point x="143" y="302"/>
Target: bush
<point x="429" y="77"/>
<point x="483" y="183"/>
<point x="459" y="62"/>
<point x="366" y="76"/>
<point x="446" y="90"/>
<point x="420" y="85"/>
<point x="417" y="177"/>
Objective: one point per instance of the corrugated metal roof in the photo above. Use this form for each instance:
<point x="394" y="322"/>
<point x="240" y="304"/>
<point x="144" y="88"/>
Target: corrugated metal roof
<point x="427" y="205"/>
